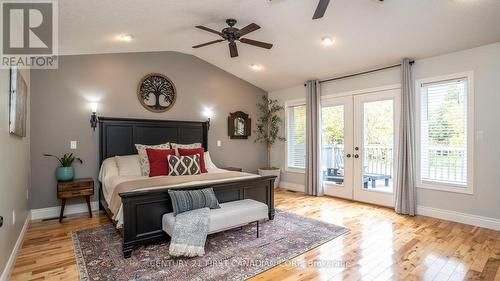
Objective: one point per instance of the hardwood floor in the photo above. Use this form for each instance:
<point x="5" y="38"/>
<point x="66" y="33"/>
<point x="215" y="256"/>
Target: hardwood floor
<point x="380" y="246"/>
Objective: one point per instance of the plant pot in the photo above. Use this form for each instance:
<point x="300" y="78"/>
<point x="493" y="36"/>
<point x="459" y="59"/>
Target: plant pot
<point x="271" y="172"/>
<point x="65" y="173"/>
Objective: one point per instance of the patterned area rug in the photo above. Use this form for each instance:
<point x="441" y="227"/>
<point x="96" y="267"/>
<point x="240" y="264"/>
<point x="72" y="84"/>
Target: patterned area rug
<point x="230" y="255"/>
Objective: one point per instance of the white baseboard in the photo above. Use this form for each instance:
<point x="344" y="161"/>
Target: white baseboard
<point x="12" y="259"/>
<point x="52" y="212"/>
<point x="475" y="220"/>
<point x="292" y="186"/>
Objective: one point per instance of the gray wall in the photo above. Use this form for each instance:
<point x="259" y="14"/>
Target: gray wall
<point x="61" y="109"/>
<point x="14" y="174"/>
<point x="485" y="62"/>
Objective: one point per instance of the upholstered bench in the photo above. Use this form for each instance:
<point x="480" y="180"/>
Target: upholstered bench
<point x="230" y="215"/>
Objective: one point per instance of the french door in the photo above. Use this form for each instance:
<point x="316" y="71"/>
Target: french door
<point x="359" y="146"/>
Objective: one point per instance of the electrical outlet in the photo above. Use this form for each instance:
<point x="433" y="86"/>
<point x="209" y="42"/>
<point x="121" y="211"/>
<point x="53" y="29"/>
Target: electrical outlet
<point x="219" y="143"/>
<point x="1" y="221"/>
<point x="73" y="144"/>
<point x="13" y="217"/>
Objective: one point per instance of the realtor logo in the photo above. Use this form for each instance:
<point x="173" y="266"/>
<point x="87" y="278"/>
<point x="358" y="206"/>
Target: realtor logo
<point x="29" y="34"/>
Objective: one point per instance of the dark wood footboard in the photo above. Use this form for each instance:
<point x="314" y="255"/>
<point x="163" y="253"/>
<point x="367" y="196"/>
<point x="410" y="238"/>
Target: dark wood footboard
<point x="143" y="210"/>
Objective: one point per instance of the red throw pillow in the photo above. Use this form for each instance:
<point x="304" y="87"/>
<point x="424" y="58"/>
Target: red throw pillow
<point x="158" y="165"/>
<point x="193" y="151"/>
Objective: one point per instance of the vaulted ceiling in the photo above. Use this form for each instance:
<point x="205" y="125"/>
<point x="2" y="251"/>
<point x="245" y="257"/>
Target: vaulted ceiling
<point x="366" y="33"/>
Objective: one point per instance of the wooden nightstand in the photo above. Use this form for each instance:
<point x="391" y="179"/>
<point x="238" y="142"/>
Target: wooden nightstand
<point x="235" y="169"/>
<point x="73" y="189"/>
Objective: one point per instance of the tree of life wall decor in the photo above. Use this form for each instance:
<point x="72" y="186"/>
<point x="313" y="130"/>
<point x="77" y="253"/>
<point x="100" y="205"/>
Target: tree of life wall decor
<point x="156" y="92"/>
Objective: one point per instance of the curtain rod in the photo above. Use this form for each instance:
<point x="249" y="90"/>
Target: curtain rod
<point x="363" y="72"/>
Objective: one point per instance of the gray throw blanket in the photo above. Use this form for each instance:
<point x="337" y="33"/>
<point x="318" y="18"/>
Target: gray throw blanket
<point x="190" y="233"/>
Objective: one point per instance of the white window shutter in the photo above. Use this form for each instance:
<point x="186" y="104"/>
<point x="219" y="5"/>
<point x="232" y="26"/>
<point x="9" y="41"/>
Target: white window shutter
<point x="444" y="133"/>
<point x="296" y="138"/>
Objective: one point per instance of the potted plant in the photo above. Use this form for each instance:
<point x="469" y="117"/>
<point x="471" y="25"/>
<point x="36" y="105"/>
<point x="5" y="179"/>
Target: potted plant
<point x="268" y="127"/>
<point x="65" y="172"/>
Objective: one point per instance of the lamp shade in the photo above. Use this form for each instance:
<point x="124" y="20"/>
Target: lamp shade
<point x="93" y="107"/>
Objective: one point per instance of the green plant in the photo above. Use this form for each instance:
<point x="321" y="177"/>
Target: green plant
<point x="268" y="125"/>
<point x="67" y="159"/>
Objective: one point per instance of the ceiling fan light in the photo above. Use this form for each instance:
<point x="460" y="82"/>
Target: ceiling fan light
<point x="126" y="37"/>
<point x="256" y="67"/>
<point x="327" y="41"/>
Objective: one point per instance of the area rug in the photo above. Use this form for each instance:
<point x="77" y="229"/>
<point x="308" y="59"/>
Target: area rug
<point x="231" y="255"/>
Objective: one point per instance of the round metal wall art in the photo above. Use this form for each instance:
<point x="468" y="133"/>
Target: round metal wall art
<point x="156" y="92"/>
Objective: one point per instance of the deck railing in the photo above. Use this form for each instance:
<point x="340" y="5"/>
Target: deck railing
<point x="444" y="163"/>
<point x="378" y="159"/>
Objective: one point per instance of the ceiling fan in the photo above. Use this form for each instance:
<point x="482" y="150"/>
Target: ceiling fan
<point x="233" y="34"/>
<point x="321" y="8"/>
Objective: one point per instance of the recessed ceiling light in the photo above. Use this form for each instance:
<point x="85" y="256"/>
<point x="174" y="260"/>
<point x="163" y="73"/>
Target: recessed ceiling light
<point x="327" y="41"/>
<point x="256" y="67"/>
<point x="126" y="37"/>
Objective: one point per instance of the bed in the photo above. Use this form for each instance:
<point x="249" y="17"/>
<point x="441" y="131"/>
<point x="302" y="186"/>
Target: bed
<point x="139" y="218"/>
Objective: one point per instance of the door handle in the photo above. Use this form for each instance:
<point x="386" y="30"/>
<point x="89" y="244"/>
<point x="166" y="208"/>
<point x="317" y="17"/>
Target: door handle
<point x="348" y="155"/>
<point x="356" y="156"/>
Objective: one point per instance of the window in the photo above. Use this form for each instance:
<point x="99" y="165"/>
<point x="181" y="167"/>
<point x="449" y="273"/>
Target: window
<point x="446" y="133"/>
<point x="296" y="135"/>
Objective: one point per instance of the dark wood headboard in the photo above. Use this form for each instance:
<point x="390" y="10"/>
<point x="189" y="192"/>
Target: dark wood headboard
<point x="118" y="136"/>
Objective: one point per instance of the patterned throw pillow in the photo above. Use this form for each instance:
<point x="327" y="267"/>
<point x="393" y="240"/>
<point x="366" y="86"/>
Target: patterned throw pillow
<point x="143" y="155"/>
<point x="192" y="151"/>
<point x="187" y="200"/>
<point x="183" y="165"/>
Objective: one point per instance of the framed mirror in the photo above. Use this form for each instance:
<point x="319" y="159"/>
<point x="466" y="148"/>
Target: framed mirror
<point x="239" y="125"/>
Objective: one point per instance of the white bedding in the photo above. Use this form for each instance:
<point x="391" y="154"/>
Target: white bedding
<point x="110" y="179"/>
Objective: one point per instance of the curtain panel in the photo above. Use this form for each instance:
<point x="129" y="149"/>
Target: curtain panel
<point x="406" y="201"/>
<point x="314" y="185"/>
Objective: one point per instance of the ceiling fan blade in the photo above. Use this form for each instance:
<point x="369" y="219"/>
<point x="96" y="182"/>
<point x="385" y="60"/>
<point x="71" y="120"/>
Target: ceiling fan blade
<point x="208" y="43"/>
<point x="321" y="9"/>
<point x="256" y="43"/>
<point x="209" y="30"/>
<point x="247" y="29"/>
<point x="233" y="49"/>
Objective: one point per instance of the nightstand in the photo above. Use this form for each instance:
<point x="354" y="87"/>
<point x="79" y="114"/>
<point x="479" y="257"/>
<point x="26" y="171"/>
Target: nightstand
<point x="73" y="189"/>
<point x="235" y="169"/>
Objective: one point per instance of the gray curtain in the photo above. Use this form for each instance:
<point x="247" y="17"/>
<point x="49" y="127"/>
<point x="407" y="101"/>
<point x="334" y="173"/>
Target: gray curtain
<point x="405" y="185"/>
<point x="314" y="185"/>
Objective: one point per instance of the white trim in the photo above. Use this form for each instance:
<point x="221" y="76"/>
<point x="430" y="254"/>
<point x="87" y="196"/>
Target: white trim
<point x="292" y="186"/>
<point x="469" y="188"/>
<point x="288" y="104"/>
<point x="52" y="212"/>
<point x="444" y="187"/>
<point x="361" y="91"/>
<point x="470" y="219"/>
<point x="295" y="170"/>
<point x="13" y="255"/>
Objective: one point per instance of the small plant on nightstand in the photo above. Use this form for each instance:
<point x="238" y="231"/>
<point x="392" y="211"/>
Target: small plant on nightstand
<point x="268" y="127"/>
<point x="65" y="172"/>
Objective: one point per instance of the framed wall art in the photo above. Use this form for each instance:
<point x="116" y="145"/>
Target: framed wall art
<point x="18" y="103"/>
<point x="156" y="92"/>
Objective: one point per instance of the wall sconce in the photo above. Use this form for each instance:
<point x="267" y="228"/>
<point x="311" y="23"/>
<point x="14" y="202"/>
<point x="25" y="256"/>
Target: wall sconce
<point x="93" y="117"/>
<point x="208" y="113"/>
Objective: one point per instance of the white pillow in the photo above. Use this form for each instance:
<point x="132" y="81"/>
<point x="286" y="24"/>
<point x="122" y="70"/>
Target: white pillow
<point x="185" y="146"/>
<point x="108" y="169"/>
<point x="208" y="161"/>
<point x="143" y="155"/>
<point x="128" y="165"/>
